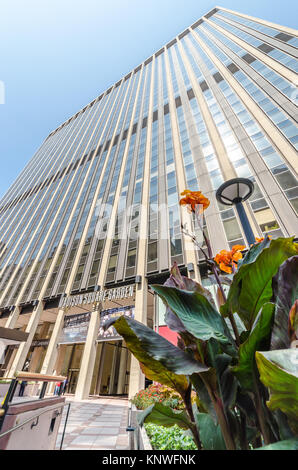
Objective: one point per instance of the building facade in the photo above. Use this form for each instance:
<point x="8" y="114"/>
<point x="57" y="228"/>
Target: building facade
<point x="94" y="217"/>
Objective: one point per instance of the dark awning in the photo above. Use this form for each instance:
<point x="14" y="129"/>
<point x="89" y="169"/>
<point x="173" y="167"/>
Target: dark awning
<point x="12" y="336"/>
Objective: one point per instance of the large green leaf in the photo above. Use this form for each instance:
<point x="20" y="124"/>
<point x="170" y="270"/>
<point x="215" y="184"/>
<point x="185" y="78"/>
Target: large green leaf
<point x="279" y="372"/>
<point x="252" y="284"/>
<point x="202" y="391"/>
<point x="289" y="444"/>
<point x="239" y="325"/>
<point x="196" y="313"/>
<point x="284" y="429"/>
<point x="254" y="251"/>
<point x="160" y="359"/>
<point x="226" y="382"/>
<point x="222" y="382"/>
<point x="285" y="291"/>
<point x="164" y="416"/>
<point x="176" y="279"/>
<point x="259" y="338"/>
<point x="210" y="433"/>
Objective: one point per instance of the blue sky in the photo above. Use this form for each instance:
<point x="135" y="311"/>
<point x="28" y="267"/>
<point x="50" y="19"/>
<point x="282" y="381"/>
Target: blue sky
<point x="58" y="55"/>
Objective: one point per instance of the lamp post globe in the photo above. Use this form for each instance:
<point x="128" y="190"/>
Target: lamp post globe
<point x="233" y="193"/>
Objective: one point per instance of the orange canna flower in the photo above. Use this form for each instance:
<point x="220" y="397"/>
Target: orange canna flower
<point x="237" y="256"/>
<point x="260" y="239"/>
<point x="227" y="260"/>
<point x="193" y="199"/>
<point x="236" y="248"/>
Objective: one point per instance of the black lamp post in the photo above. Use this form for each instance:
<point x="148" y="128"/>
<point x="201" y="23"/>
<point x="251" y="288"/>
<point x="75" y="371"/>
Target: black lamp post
<point x="233" y="193"/>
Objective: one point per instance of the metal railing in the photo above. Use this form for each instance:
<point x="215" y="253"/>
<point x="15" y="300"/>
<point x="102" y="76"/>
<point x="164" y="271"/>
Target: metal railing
<point x="36" y="417"/>
<point x="25" y="376"/>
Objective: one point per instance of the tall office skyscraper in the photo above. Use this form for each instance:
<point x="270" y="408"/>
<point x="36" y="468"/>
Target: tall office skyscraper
<point x="94" y="216"/>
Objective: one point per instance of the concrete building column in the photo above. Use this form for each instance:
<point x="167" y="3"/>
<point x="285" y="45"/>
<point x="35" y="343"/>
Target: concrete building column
<point x="122" y="370"/>
<point x="58" y="365"/>
<point x="57" y="368"/>
<point x="93" y="390"/>
<point x="186" y="220"/>
<point x="35" y="358"/>
<point x="38" y="351"/>
<point x="10" y="362"/>
<point x="44" y="330"/>
<point x="212" y="216"/>
<point x="137" y="378"/>
<point x="13" y="318"/>
<point x="52" y="350"/>
<point x="89" y="354"/>
<point x="101" y="366"/>
<point x="23" y="350"/>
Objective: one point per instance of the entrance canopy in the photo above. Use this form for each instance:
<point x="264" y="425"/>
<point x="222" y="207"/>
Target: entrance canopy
<point x="11" y="336"/>
<point x="78" y="308"/>
<point x="81" y="303"/>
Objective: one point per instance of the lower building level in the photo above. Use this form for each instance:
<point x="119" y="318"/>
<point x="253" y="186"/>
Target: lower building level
<point x="66" y="337"/>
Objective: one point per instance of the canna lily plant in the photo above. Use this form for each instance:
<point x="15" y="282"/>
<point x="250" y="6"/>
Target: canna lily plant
<point x="239" y="357"/>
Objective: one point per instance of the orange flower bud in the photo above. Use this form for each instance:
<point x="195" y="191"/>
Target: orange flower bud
<point x="227" y="260"/>
<point x="260" y="239"/>
<point x="193" y="199"/>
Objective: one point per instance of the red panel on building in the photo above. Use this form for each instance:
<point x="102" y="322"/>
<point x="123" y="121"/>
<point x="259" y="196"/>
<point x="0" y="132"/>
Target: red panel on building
<point x="170" y="335"/>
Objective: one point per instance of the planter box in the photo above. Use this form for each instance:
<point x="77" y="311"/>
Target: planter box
<point x="41" y="420"/>
<point x="144" y="439"/>
<point x="138" y="438"/>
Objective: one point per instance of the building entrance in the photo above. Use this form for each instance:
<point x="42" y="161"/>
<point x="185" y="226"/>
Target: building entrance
<point x="112" y="359"/>
<point x="73" y="375"/>
<point x="111" y="369"/>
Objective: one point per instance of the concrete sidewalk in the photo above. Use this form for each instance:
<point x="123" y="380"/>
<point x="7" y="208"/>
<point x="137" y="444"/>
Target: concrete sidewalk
<point x="96" y="423"/>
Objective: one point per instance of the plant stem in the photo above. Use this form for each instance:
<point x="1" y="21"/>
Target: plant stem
<point x="222" y="420"/>
<point x="260" y="412"/>
<point x="230" y="444"/>
<point x="187" y="401"/>
<point x="230" y="315"/>
<point x="243" y="435"/>
<point x="273" y="429"/>
<point x="258" y="442"/>
<point x="196" y="437"/>
<point x="214" y="270"/>
<point x="235" y="329"/>
<point x="193" y="238"/>
<point x="193" y="428"/>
